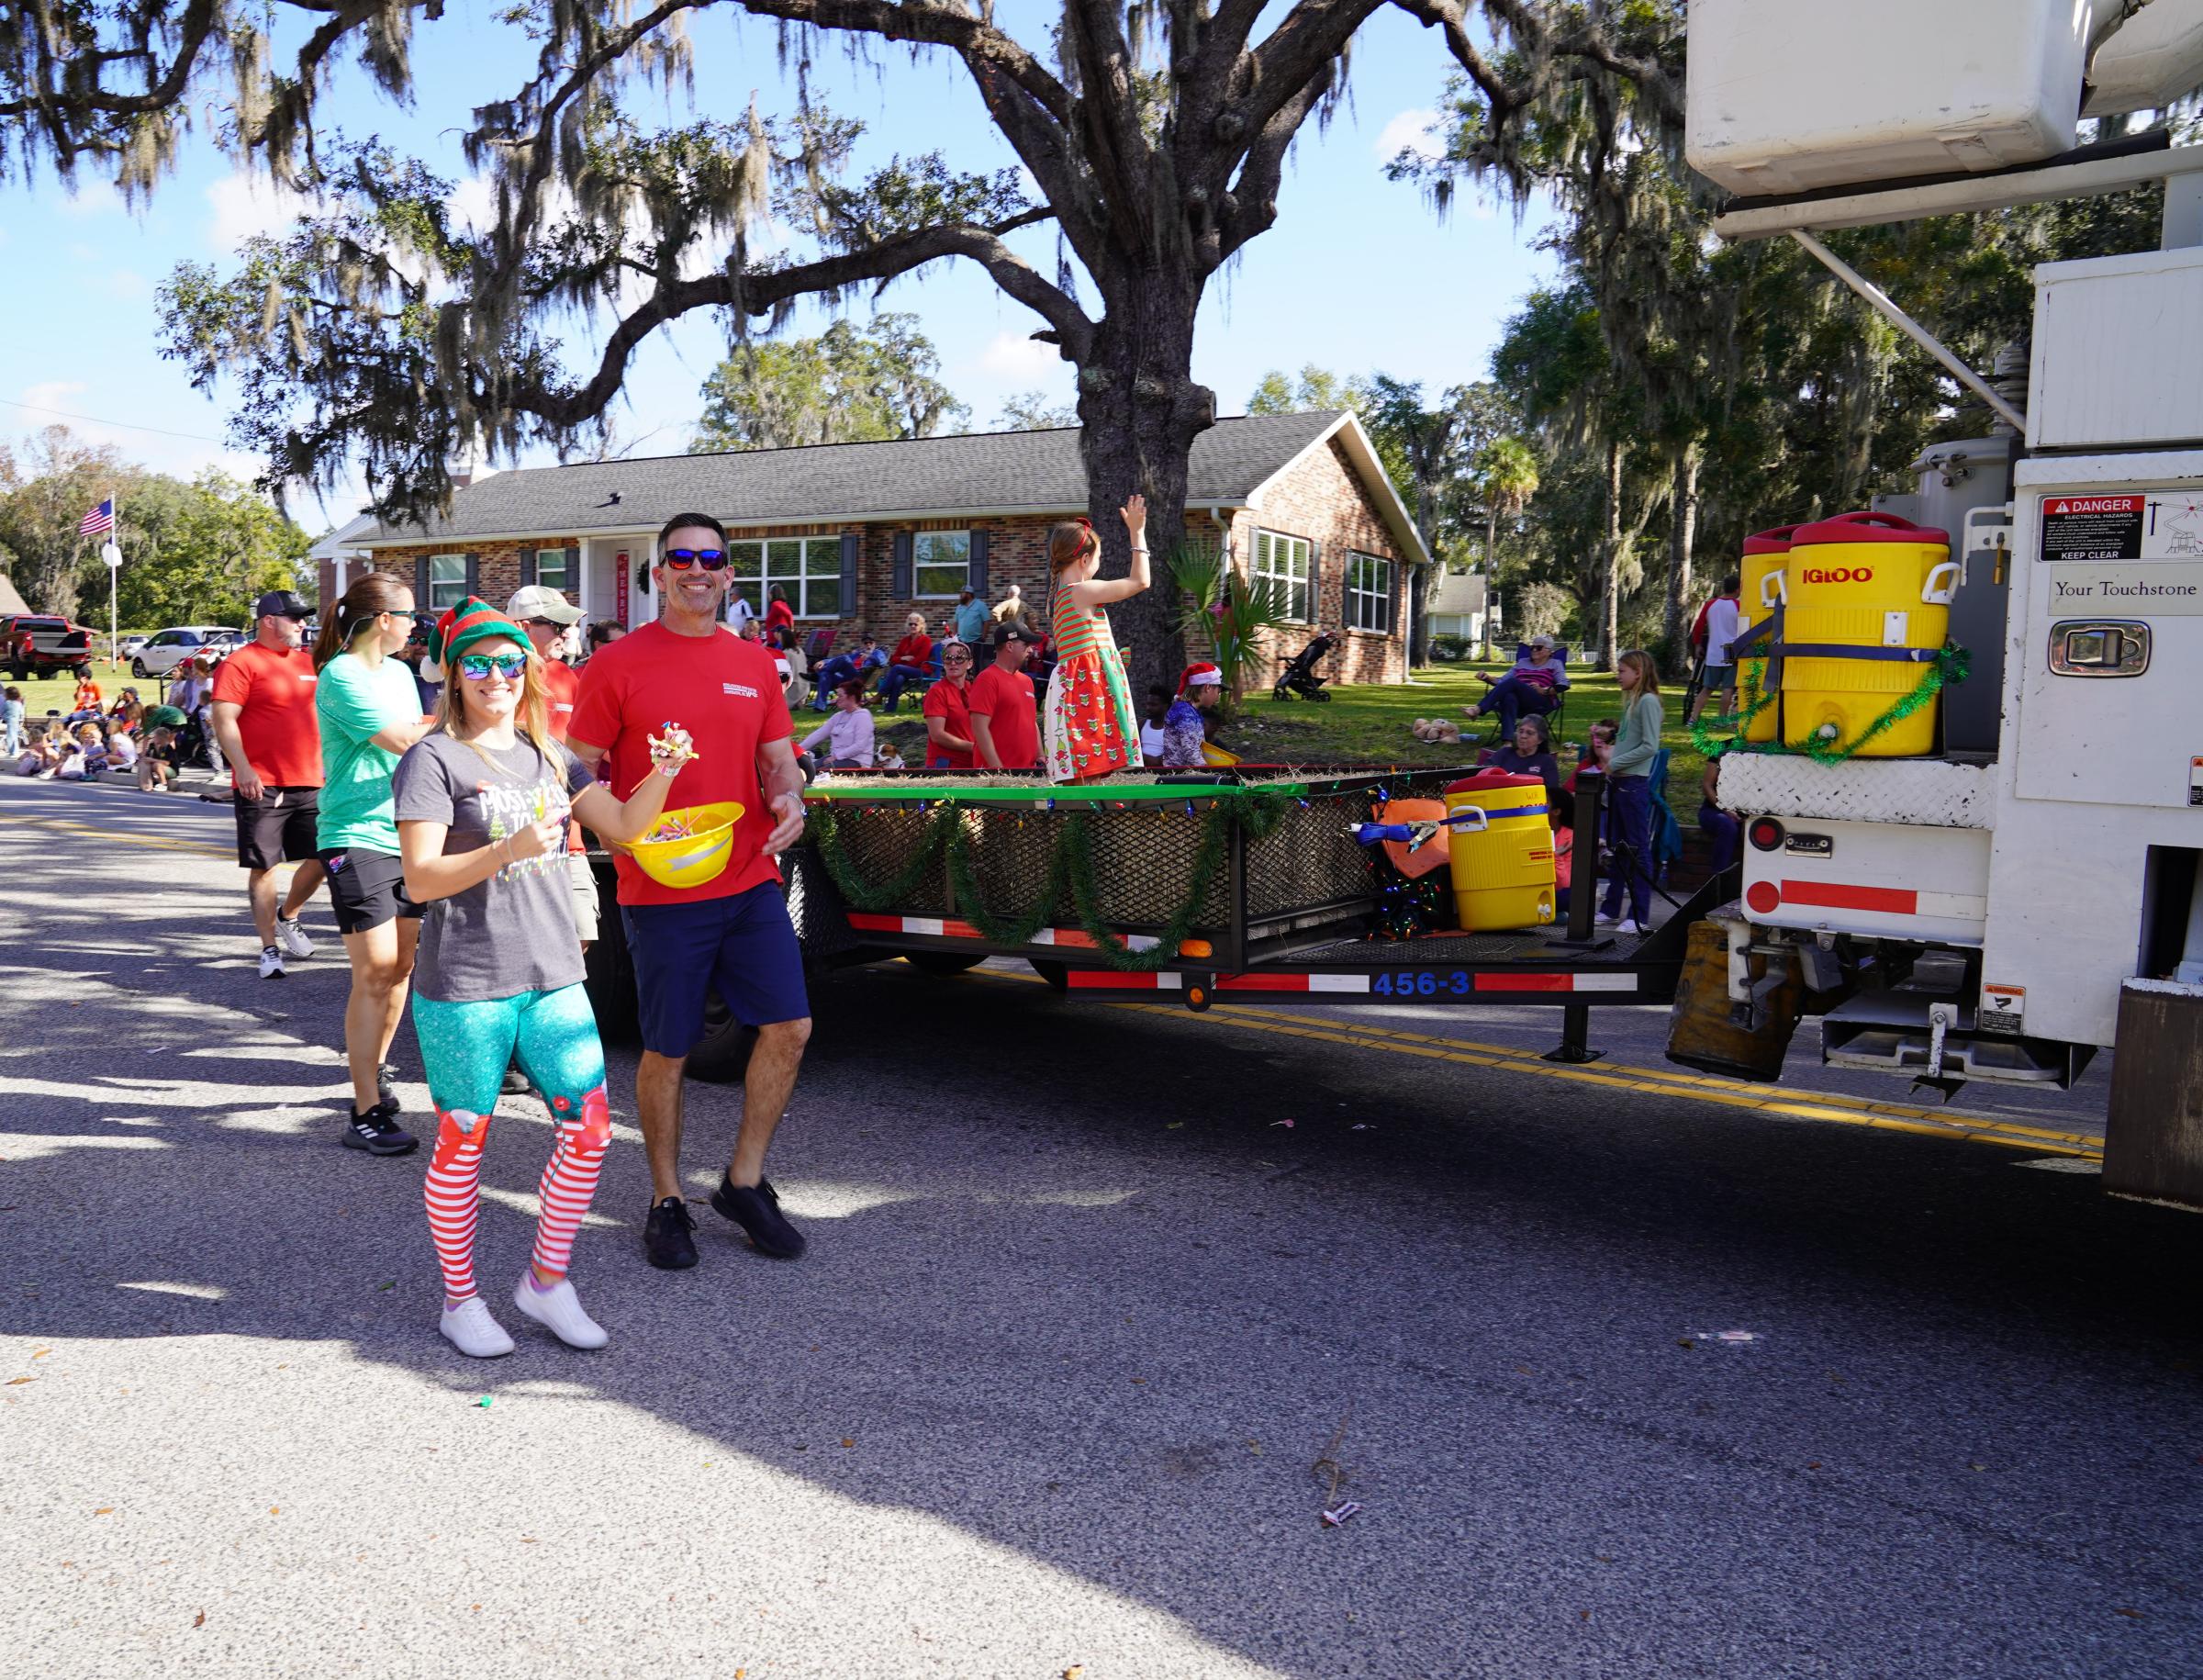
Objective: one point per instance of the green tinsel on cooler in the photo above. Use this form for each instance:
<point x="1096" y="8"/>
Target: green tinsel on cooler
<point x="1949" y="665"/>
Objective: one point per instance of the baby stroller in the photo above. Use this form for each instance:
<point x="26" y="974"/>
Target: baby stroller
<point x="1300" y="676"/>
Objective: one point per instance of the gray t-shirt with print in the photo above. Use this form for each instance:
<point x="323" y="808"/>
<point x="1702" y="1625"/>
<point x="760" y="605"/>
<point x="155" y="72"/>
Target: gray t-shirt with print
<point x="514" y="932"/>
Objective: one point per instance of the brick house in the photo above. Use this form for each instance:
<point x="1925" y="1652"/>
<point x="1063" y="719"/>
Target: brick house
<point x="860" y="534"/>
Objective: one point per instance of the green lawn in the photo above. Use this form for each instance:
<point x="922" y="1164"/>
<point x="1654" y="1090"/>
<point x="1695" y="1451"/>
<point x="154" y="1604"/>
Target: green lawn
<point x="1368" y="724"/>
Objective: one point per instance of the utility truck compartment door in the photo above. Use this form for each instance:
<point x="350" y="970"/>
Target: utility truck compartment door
<point x="2111" y="649"/>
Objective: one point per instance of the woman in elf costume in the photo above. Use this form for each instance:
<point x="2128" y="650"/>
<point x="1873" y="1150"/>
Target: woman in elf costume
<point x="482" y="802"/>
<point x="1089" y="726"/>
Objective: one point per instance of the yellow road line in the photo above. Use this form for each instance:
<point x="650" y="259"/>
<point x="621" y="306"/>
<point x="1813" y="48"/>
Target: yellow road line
<point x="1827" y="1108"/>
<point x="129" y="839"/>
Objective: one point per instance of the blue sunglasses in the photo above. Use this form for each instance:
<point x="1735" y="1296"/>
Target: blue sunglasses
<point x="710" y="559"/>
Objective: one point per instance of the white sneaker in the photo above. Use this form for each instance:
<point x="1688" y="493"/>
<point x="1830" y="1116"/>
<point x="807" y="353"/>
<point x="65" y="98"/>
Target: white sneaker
<point x="469" y="1327"/>
<point x="292" y="937"/>
<point x="558" y="1311"/>
<point x="1603" y="920"/>
<point x="1631" y="927"/>
<point x="271" y="963"/>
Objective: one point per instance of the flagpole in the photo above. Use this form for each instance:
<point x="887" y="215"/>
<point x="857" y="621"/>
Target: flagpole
<point x="114" y="573"/>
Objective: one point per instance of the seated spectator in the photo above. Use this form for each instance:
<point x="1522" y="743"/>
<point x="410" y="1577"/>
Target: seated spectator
<point x="84" y="754"/>
<point x="847" y="732"/>
<point x="128" y="714"/>
<point x="1151" y="723"/>
<point x="1598" y="751"/>
<point x="122" y="751"/>
<point x="911" y="662"/>
<point x="86" y="701"/>
<point x="1535" y="685"/>
<point x="157" y="762"/>
<point x="1561" y="813"/>
<point x="1530" y="753"/>
<point x="856" y="666"/>
<point x="1718" y="826"/>
<point x="40" y="757"/>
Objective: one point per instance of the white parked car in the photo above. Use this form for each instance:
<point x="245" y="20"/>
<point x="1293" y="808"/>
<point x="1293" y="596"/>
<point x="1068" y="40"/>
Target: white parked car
<point x="169" y="648"/>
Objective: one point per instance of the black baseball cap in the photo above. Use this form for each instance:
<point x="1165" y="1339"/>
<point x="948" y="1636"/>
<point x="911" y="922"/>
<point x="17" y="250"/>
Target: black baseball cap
<point x="281" y="604"/>
<point x="1006" y="633"/>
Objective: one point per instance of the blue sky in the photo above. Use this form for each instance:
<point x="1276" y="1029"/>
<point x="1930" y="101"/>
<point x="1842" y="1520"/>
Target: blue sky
<point x="1358" y="275"/>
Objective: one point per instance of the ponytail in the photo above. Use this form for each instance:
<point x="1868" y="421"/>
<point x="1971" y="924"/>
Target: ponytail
<point x="371" y="596"/>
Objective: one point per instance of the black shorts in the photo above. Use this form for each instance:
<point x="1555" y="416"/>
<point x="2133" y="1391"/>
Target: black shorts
<point x="366" y="889"/>
<point x="278" y="827"/>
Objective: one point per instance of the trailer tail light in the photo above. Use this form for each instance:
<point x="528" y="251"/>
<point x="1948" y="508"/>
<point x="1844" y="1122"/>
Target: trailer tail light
<point x="1766" y="834"/>
<point x="1763" y="898"/>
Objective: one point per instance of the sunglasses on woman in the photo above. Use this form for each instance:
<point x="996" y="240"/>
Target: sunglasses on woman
<point x="476" y="667"/>
<point x="710" y="559"/>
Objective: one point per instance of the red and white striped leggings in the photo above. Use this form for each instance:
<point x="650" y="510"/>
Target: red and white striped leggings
<point x="467" y="1047"/>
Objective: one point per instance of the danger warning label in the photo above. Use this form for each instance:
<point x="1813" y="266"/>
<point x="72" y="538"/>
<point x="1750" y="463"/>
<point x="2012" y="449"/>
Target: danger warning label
<point x="2092" y="527"/>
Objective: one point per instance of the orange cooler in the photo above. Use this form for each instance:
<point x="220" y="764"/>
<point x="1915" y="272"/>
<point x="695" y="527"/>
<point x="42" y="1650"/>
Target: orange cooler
<point x="1760" y="591"/>
<point x="1502" y="862"/>
<point x="1865" y="580"/>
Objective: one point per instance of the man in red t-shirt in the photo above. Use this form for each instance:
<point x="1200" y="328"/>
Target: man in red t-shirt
<point x="947" y="714"/>
<point x="264" y="726"/>
<point x="546" y="616"/>
<point x="731" y="934"/>
<point x="1005" y="721"/>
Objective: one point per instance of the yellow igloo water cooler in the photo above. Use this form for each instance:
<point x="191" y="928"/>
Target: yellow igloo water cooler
<point x="1502" y="857"/>
<point x="1880" y="584"/>
<point x="1758" y="595"/>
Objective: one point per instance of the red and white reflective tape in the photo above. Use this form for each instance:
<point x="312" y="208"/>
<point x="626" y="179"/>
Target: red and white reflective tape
<point x="1765" y="897"/>
<point x="1556" y="982"/>
<point x="949" y="927"/>
<point x="1293" y="982"/>
<point x="1107" y="979"/>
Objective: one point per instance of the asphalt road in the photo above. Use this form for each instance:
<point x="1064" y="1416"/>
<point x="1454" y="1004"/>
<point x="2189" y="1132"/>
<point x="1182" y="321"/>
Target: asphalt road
<point x="1083" y="1335"/>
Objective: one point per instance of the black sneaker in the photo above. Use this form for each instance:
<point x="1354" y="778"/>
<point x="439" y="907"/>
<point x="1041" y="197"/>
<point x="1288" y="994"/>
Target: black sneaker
<point x="378" y="1132"/>
<point x="665" y="1241"/>
<point x="758" y="1213"/>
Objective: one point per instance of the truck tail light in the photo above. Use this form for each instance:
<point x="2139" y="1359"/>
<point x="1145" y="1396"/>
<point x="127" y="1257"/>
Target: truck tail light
<point x="1765" y="832"/>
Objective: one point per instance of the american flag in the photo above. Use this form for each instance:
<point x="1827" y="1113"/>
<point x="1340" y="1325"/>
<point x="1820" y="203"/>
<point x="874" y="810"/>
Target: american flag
<point x="101" y="518"/>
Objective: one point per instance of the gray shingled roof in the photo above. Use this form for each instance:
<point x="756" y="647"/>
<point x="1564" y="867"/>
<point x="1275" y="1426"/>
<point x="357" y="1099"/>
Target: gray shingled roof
<point x="994" y="472"/>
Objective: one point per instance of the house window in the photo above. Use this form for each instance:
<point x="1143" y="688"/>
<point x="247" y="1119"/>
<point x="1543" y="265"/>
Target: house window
<point x="1368" y="593"/>
<point x="550" y="569"/>
<point x="447" y="582"/>
<point x="806" y="570"/>
<point x="941" y="564"/>
<point x="1281" y="576"/>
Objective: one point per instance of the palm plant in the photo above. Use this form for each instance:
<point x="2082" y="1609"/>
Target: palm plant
<point x="1218" y="609"/>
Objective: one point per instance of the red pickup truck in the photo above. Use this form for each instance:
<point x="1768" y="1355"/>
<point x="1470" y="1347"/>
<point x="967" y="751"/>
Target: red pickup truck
<point x="41" y="644"/>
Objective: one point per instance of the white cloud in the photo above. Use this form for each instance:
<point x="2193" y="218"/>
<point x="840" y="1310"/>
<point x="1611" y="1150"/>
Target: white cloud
<point x="52" y="394"/>
<point x="91" y="197"/>
<point x="1012" y="356"/>
<point x="244" y="204"/>
<point x="1414" y="130"/>
<point x="473" y="204"/>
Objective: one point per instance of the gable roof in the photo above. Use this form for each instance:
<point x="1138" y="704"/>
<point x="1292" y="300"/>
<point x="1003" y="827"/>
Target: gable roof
<point x="11" y="603"/>
<point x="989" y="473"/>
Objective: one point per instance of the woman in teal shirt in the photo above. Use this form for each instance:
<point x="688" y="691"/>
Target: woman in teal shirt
<point x="369" y="713"/>
<point x="1629" y="792"/>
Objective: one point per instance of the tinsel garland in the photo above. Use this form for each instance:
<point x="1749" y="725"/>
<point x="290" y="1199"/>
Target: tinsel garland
<point x="1254" y="811"/>
<point x="1949" y="665"/>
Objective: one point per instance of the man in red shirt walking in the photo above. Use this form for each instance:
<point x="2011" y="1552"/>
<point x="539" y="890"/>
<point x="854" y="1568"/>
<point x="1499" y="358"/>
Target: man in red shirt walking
<point x="731" y="934"/>
<point x="264" y="726"/>
<point x="1005" y="719"/>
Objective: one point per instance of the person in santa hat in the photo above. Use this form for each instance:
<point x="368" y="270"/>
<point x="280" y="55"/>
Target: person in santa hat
<point x="1185" y="728"/>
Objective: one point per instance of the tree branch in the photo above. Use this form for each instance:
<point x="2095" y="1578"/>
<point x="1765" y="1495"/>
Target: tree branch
<point x="761" y="293"/>
<point x="968" y="34"/>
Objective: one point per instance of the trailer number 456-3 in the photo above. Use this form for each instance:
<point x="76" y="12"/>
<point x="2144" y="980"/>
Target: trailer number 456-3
<point x="1424" y="983"/>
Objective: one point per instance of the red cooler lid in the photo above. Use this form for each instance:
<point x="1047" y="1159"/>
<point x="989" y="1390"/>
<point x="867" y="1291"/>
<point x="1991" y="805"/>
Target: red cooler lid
<point x="1867" y="528"/>
<point x="1488" y="781"/>
<point x="1775" y="542"/>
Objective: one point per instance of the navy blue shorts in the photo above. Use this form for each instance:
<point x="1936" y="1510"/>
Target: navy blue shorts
<point x="743" y="947"/>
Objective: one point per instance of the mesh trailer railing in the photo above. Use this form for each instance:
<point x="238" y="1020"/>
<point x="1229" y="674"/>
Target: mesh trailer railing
<point x="1240" y="864"/>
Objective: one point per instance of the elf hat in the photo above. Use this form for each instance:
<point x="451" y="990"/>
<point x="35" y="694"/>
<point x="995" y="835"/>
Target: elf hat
<point x="473" y="619"/>
<point x="1203" y="676"/>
